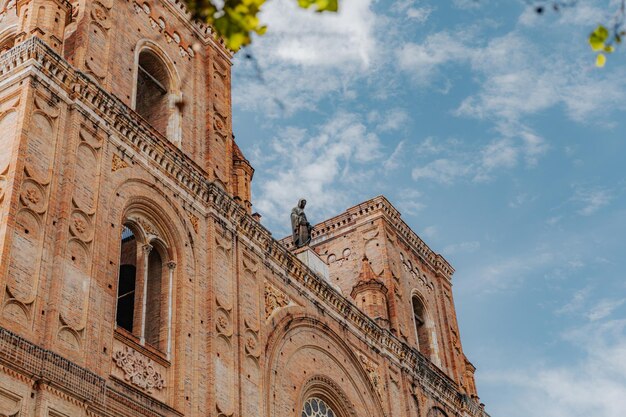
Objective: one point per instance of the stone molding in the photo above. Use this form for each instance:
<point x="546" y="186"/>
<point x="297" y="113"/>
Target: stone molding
<point x="188" y="176"/>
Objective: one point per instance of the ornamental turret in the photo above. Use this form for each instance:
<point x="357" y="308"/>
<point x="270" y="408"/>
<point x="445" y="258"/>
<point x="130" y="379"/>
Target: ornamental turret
<point x="370" y="294"/>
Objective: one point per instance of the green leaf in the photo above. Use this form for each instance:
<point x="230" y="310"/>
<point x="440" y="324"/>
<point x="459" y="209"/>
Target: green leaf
<point x="320" y="5"/>
<point x="609" y="48"/>
<point x="236" y="20"/>
<point x="600" y="60"/>
<point x="601" y="32"/>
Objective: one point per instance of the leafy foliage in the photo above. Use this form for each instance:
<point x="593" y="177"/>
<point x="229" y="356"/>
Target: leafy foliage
<point x="604" y="38"/>
<point x="236" y="21"/>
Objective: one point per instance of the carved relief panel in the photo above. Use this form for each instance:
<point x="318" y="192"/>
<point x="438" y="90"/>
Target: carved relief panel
<point x="225" y="354"/>
<point x="139" y="370"/>
<point x="275" y="299"/>
<point x="26" y="250"/>
<point x="98" y="40"/>
<point x="77" y="262"/>
<point x="251" y="323"/>
<point x="8" y="136"/>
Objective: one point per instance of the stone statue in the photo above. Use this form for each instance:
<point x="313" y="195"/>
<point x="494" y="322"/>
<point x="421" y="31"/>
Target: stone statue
<point x="300" y="227"/>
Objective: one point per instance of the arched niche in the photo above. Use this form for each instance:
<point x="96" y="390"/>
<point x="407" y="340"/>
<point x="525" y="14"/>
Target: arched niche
<point x="306" y="359"/>
<point x="156" y="90"/>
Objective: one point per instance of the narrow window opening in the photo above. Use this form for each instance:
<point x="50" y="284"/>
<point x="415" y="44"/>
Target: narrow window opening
<point x="124" y="316"/>
<point x="423" y="338"/>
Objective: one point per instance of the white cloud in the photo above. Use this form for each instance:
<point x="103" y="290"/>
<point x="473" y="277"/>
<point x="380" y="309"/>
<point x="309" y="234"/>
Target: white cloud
<point x="453" y="160"/>
<point x="429" y="231"/>
<point x="593" y="385"/>
<point x="316" y="164"/>
<point x="422" y="60"/>
<point x="306" y="56"/>
<point x="517" y="77"/>
<point x="500" y="153"/>
<point x="521" y="199"/>
<point x="393" y="161"/>
<point x="444" y="171"/>
<point x="510" y="272"/>
<point x="411" y="10"/>
<point x="604" y="308"/>
<point x="534" y="147"/>
<point x="463" y="247"/>
<point x="410" y="201"/>
<point x="394" y="119"/>
<point x="576" y="303"/>
<point x="419" y="14"/>
<point x="591" y="199"/>
<point x="468" y="4"/>
<point x="551" y="221"/>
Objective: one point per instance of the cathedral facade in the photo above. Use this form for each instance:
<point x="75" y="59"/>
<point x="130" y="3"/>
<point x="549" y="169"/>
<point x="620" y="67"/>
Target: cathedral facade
<point x="135" y="279"/>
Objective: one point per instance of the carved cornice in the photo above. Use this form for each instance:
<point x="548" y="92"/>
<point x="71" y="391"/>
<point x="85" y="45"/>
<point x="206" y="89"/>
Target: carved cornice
<point x="129" y="128"/>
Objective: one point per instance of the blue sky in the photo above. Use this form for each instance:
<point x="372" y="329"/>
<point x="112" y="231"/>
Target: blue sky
<point x="490" y="129"/>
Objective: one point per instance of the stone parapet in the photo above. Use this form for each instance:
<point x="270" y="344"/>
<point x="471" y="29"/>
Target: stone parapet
<point x="41" y="364"/>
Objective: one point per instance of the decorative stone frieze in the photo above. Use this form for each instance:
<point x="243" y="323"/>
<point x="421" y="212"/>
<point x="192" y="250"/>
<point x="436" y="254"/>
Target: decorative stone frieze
<point x="139" y="370"/>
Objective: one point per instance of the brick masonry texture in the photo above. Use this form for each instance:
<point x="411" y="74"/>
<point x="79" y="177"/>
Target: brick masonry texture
<point x="226" y="321"/>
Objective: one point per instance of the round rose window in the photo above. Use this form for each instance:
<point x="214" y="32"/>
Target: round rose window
<point x="315" y="407"/>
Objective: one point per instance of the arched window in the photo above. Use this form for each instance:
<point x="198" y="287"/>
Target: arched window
<point x="316" y="407"/>
<point x="421" y="327"/>
<point x="144" y="299"/>
<point x="156" y="94"/>
<point x="124" y="316"/>
<point x="7" y="39"/>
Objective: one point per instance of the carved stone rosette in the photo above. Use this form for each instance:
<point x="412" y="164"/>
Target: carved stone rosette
<point x="138" y="370"/>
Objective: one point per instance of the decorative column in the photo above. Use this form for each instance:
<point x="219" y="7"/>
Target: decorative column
<point x="171" y="266"/>
<point x="146" y="249"/>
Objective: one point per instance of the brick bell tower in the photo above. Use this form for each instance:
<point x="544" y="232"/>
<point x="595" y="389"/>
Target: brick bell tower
<point x="115" y="132"/>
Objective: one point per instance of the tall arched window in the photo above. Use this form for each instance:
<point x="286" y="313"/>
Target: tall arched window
<point x="144" y="291"/>
<point x="124" y="316"/>
<point x="421" y="327"/>
<point x="156" y="94"/>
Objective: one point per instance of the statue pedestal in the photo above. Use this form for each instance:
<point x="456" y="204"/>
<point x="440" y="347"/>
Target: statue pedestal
<point x="313" y="261"/>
